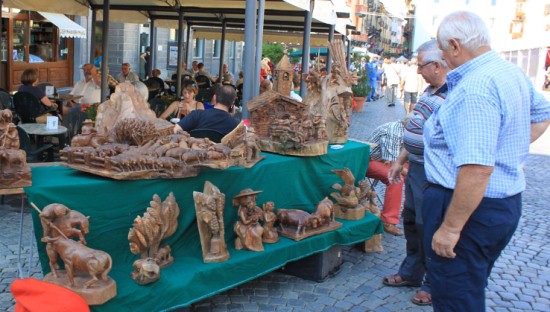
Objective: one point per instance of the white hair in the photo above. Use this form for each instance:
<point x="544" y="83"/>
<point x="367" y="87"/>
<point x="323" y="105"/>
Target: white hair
<point x="466" y="27"/>
<point x="432" y="53"/>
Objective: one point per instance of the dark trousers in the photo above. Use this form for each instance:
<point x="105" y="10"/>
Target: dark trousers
<point x="413" y="266"/>
<point x="459" y="284"/>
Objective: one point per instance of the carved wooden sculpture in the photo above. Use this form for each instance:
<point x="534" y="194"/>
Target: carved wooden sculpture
<point x="159" y="222"/>
<point x="248" y="228"/>
<point x="298" y="224"/>
<point x="209" y="207"/>
<point x="13" y="161"/>
<point x="270" y="232"/>
<point x="349" y="199"/>
<point x="138" y="151"/>
<point x="86" y="269"/>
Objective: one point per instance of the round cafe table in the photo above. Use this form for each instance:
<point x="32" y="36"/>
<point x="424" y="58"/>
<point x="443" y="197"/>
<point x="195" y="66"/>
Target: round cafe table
<point x="40" y="130"/>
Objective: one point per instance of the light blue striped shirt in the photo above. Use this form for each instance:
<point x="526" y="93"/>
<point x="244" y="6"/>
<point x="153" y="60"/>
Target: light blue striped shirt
<point x="485" y="120"/>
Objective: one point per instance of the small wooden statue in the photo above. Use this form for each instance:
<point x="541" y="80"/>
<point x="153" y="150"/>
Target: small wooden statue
<point x="248" y="228"/>
<point x="349" y="205"/>
<point x="270" y="232"/>
<point x="209" y="209"/>
<point x="159" y="222"/>
<point x="86" y="269"/>
<point x="13" y="161"/>
<point x="298" y="224"/>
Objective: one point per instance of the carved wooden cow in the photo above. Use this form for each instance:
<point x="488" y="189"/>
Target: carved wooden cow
<point x="76" y="256"/>
<point x="294" y="217"/>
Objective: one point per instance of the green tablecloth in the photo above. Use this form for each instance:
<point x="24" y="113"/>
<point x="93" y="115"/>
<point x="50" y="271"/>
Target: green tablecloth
<point x="291" y="182"/>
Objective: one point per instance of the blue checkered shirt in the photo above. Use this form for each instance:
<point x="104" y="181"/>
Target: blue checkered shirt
<point x="389" y="138"/>
<point x="485" y="120"/>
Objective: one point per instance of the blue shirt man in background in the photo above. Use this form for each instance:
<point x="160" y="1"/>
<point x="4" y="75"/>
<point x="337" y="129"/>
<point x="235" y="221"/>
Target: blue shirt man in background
<point x="371" y="68"/>
<point x="475" y="146"/>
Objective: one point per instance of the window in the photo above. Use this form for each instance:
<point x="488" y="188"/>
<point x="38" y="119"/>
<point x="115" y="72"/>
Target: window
<point x="232" y="46"/>
<point x="217" y="48"/>
<point x="198" y="48"/>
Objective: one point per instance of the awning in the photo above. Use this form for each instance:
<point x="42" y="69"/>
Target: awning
<point x="66" y="7"/>
<point x="312" y="52"/>
<point x="292" y="38"/>
<point x="67" y="28"/>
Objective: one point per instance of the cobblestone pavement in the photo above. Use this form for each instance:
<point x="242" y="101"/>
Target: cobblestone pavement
<point x="520" y="280"/>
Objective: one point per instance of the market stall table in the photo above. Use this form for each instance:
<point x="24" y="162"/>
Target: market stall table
<point x="291" y="182"/>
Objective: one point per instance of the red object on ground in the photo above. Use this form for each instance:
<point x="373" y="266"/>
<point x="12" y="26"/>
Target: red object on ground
<point x="32" y="295"/>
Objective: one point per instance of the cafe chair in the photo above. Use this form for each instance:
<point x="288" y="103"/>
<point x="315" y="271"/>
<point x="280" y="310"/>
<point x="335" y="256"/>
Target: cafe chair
<point x="42" y="153"/>
<point x="213" y="135"/>
<point x="5" y="100"/>
<point x="204" y="84"/>
<point x="27" y="106"/>
<point x="157" y="105"/>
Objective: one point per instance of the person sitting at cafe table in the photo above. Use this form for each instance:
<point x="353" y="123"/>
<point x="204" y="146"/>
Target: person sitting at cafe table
<point x="185" y="73"/>
<point x="182" y="108"/>
<point x="126" y="74"/>
<point x="29" y="80"/>
<point x="89" y="89"/>
<point x="218" y="118"/>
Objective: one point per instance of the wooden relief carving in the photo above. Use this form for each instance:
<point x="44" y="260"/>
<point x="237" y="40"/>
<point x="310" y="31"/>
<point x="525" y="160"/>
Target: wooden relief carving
<point x="209" y="207"/>
<point x="298" y="224"/>
<point x="159" y="222"/>
<point x="86" y="269"/>
<point x="248" y="228"/>
<point x="138" y="151"/>
<point x="13" y="161"/>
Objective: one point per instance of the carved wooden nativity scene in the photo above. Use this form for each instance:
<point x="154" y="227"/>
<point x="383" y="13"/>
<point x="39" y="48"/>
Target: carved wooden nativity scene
<point x="284" y="125"/>
<point x="86" y="269"/>
<point x="13" y="161"/>
<point x="159" y="222"/>
<point x="128" y="142"/>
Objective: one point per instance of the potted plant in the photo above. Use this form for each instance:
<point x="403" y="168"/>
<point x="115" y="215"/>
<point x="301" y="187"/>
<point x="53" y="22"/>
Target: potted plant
<point x="360" y="90"/>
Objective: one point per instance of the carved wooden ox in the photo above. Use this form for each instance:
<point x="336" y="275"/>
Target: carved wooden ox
<point x="76" y="256"/>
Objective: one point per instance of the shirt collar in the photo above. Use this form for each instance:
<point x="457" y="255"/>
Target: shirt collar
<point x="455" y="75"/>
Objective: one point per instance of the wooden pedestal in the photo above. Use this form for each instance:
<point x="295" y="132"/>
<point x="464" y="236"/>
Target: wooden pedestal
<point x="99" y="293"/>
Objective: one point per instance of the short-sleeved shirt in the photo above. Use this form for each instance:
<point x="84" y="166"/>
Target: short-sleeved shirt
<point x="90" y="91"/>
<point x="389" y="139"/>
<point x="212" y="119"/>
<point x="413" y="140"/>
<point x="130" y="77"/>
<point x="485" y="120"/>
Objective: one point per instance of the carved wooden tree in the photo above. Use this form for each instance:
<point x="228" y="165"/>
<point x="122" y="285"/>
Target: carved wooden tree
<point x="159" y="222"/>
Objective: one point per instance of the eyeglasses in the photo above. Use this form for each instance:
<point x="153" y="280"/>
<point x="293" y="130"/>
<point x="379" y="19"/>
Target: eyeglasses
<point x="422" y="66"/>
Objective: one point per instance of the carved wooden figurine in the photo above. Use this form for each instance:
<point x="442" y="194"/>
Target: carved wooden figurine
<point x="348" y="199"/>
<point x="159" y="222"/>
<point x="270" y="232"/>
<point x="13" y="162"/>
<point x="298" y="224"/>
<point x="209" y="209"/>
<point x="86" y="269"/>
<point x="248" y="228"/>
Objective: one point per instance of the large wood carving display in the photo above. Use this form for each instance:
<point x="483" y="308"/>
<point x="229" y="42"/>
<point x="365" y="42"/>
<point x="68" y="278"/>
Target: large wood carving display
<point x="159" y="222"/>
<point x="130" y="143"/>
<point x="332" y="93"/>
<point x="86" y="269"/>
<point x="284" y="125"/>
<point x="13" y="161"/>
<point x="209" y="210"/>
<point x="298" y="224"/>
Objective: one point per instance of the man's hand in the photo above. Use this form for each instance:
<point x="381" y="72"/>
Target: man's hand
<point x="394" y="174"/>
<point x="444" y="241"/>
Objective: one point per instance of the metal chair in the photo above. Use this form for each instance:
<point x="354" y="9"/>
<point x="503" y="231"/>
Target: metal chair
<point x="27" y="106"/>
<point x="213" y="135"/>
<point x="6" y="101"/>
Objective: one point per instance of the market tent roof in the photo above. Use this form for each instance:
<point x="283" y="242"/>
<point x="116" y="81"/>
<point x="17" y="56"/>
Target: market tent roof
<point x="69" y="7"/>
<point x="312" y="52"/>
<point x="67" y="28"/>
<point x="293" y="38"/>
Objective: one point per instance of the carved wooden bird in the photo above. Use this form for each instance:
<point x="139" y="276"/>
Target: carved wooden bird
<point x="349" y="181"/>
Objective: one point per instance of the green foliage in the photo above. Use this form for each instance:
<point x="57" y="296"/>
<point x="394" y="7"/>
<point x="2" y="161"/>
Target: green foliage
<point x="274" y="51"/>
<point x="361" y="89"/>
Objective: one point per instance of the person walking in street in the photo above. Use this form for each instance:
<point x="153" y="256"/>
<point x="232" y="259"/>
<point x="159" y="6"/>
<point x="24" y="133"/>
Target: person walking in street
<point x="371" y="68"/>
<point x="392" y="80"/>
<point x="412" y="270"/>
<point x="476" y="145"/>
<point x="410" y="85"/>
<point x="389" y="138"/>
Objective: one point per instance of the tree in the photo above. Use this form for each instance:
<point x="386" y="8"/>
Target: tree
<point x="274" y="51"/>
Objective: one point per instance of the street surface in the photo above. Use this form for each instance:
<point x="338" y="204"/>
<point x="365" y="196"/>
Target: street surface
<point x="520" y="280"/>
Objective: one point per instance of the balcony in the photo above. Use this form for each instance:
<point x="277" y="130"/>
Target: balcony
<point x="361" y="10"/>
